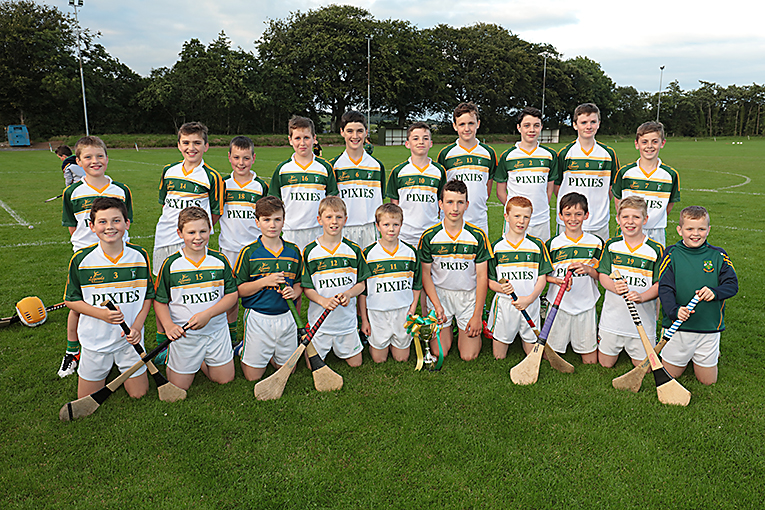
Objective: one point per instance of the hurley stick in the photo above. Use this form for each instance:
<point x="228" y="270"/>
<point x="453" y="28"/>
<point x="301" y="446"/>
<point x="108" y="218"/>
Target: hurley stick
<point x="324" y="378"/>
<point x="272" y="387"/>
<point x="634" y="378"/>
<point x="527" y="371"/>
<point x="668" y="390"/>
<point x="87" y="405"/>
<point x="168" y="392"/>
<point x="51" y="199"/>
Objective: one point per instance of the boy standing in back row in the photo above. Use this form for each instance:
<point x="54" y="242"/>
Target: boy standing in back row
<point x="651" y="179"/>
<point x="301" y="183"/>
<point x="587" y="167"/>
<point x="527" y="170"/>
<point x="471" y="162"/>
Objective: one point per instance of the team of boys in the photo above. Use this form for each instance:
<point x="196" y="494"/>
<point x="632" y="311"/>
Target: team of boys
<point x="304" y="234"/>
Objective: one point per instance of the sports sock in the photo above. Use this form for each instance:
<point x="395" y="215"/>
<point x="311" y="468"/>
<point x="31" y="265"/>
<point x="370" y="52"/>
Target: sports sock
<point x="232" y="330"/>
<point x="73" y="346"/>
<point x="161" y="337"/>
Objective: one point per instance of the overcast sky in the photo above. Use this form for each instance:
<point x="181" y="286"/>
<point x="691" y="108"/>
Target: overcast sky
<point x="721" y="41"/>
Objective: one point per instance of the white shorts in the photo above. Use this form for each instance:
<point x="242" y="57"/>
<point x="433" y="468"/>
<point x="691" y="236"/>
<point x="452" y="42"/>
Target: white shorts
<point x="602" y="233"/>
<point x="459" y="304"/>
<point x="344" y="346"/>
<point x="161" y="253"/>
<point x="612" y="344"/>
<point x="95" y="366"/>
<point x="657" y="234"/>
<point x="266" y="337"/>
<point x="185" y="355"/>
<point x="506" y="321"/>
<point x="302" y="237"/>
<point x="388" y="329"/>
<point x="579" y="330"/>
<point x="231" y="256"/>
<point x="702" y="348"/>
<point x="363" y="235"/>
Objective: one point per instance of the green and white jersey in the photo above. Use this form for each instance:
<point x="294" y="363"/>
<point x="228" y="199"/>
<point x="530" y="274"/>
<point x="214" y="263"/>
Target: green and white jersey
<point x="527" y="175"/>
<point x="640" y="268"/>
<point x="475" y="167"/>
<point x="394" y="276"/>
<point x="301" y="189"/>
<point x="520" y="264"/>
<point x="329" y="273"/>
<point x="78" y="198"/>
<point x="361" y="185"/>
<point x="180" y="188"/>
<point x="189" y="287"/>
<point x="564" y="251"/>
<point x="453" y="259"/>
<point x="417" y="190"/>
<point x="659" y="189"/>
<point x="237" y="225"/>
<point x="589" y="173"/>
<point x="95" y="277"/>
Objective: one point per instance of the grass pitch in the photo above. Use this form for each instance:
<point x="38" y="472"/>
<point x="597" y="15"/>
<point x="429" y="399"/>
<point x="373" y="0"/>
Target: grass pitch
<point x="461" y="438"/>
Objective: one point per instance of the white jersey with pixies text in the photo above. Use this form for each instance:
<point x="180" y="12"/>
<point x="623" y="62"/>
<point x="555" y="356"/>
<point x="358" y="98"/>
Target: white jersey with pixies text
<point x="589" y="173"/>
<point x="453" y="259"/>
<point x="188" y="288"/>
<point x="521" y="265"/>
<point x="180" y="188"/>
<point x="361" y="185"/>
<point x="659" y="189"/>
<point x="394" y="276"/>
<point x="475" y="167"/>
<point x="527" y="175"/>
<point x="584" y="291"/>
<point x="237" y="224"/>
<point x="417" y="190"/>
<point x="95" y="277"/>
<point x="301" y="188"/>
<point x="78" y="198"/>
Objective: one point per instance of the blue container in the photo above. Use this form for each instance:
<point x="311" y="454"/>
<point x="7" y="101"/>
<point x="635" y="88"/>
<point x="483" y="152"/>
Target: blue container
<point x="18" y="135"/>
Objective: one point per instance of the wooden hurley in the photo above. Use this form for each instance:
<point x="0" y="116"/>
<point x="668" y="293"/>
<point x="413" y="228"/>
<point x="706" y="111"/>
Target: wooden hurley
<point x="527" y="371"/>
<point x="272" y="387"/>
<point x="668" y="389"/>
<point x="634" y="378"/>
<point x="168" y="392"/>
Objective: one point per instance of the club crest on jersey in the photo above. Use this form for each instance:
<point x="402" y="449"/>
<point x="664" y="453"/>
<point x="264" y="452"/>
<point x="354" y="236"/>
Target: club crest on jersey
<point x="642" y="264"/>
<point x="708" y="267"/>
<point x="292" y="179"/>
<point x="617" y="259"/>
<point x="503" y="259"/>
<point x="634" y="185"/>
<point x="410" y="182"/>
<point x="184" y="279"/>
<point x="378" y="269"/>
<point x="132" y="273"/>
<point x="343" y="176"/>
<point x="518" y="164"/>
<point x="212" y="274"/>
<point x="458" y="162"/>
<point x="96" y="277"/>
<point x="560" y="255"/>
<point x="573" y="165"/>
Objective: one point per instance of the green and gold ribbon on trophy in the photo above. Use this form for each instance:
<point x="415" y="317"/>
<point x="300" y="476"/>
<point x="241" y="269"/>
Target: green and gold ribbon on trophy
<point x="422" y="329"/>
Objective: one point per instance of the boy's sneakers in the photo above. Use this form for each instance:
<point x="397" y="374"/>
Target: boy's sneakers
<point x="68" y="364"/>
<point x="238" y="349"/>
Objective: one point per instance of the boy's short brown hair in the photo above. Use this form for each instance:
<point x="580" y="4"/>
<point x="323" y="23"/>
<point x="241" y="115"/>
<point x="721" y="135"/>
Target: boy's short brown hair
<point x="464" y="108"/>
<point x="572" y="200"/>
<point x="455" y="186"/>
<point x="529" y="111"/>
<point x="417" y="125"/>
<point x="334" y="203"/>
<point x="586" y="109"/>
<point x="268" y="206"/>
<point x="518" y="201"/>
<point x="88" y="141"/>
<point x="63" y="150"/>
<point x="104" y="203"/>
<point x="193" y="128"/>
<point x="241" y="142"/>
<point x="391" y="210"/>
<point x="352" y="116"/>
<point x="633" y="202"/>
<point x="192" y="214"/>
<point x="297" y="122"/>
<point x="694" y="212"/>
<point x="650" y="127"/>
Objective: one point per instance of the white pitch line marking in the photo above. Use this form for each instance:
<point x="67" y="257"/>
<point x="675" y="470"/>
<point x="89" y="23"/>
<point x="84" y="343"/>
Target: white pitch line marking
<point x="13" y="213"/>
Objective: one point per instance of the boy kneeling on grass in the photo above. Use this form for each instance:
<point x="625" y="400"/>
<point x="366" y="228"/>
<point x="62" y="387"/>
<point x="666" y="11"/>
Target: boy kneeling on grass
<point x="196" y="286"/>
<point x="118" y="271"/>
<point x="693" y="266"/>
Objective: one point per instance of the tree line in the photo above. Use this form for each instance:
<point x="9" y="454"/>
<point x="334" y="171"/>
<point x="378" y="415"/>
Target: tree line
<point x="315" y="63"/>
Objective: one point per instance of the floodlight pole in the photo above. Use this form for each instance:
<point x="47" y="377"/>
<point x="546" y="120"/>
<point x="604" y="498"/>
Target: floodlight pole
<point x="75" y="4"/>
<point x="544" y="83"/>
<point x="658" y="106"/>
<point x="369" y="67"/>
